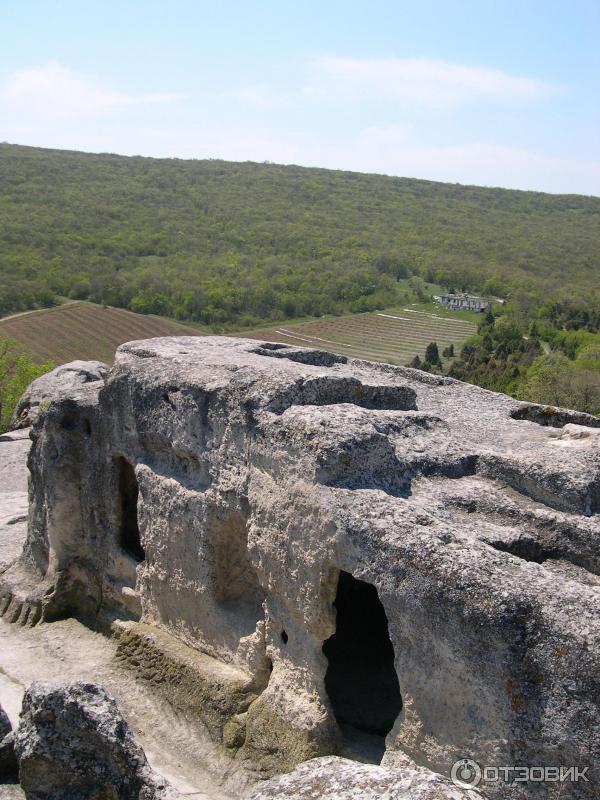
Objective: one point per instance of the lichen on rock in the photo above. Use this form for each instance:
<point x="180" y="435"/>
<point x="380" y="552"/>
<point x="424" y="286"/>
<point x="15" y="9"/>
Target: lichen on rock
<point x="72" y="742"/>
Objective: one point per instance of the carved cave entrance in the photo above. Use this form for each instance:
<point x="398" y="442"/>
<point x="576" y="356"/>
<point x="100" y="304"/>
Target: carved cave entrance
<point x="361" y="679"/>
<point x="129" y="532"/>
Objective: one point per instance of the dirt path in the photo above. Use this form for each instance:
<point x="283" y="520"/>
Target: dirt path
<point x="38" y="310"/>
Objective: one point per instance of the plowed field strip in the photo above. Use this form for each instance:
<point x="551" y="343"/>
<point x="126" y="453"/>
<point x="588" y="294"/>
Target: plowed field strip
<point x="380" y="336"/>
<point x="84" y="331"/>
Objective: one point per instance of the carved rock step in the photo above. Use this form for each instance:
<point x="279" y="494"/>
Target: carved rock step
<point x="12" y="609"/>
<point x="194" y="683"/>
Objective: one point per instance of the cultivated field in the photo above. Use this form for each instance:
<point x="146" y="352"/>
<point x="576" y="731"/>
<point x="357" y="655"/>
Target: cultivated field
<point x="84" y="331"/>
<point x="392" y="336"/>
<point x="87" y="331"/>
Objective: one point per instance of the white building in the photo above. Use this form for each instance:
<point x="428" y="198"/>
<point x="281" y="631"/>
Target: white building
<point x="462" y="302"/>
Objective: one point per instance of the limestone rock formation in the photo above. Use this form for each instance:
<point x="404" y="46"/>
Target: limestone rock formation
<point x="62" y="381"/>
<point x="14" y="449"/>
<point x="332" y="778"/>
<point x="335" y="555"/>
<point x="72" y="742"/>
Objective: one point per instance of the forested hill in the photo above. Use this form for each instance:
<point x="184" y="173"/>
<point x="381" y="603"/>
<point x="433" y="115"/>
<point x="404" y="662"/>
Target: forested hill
<point x="223" y="242"/>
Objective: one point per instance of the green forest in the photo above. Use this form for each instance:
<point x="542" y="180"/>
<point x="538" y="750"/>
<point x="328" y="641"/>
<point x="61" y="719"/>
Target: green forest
<point x="241" y="243"/>
<point x="17" y="370"/>
<point x="234" y="245"/>
<point x="547" y="365"/>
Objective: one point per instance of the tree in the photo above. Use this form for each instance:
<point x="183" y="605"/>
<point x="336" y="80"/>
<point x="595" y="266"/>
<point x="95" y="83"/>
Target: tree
<point x="432" y="354"/>
<point x="583" y="390"/>
<point x="448" y="352"/>
<point x="9" y="352"/>
<point x="17" y="370"/>
<point x="544" y="380"/>
<point x="555" y="380"/>
<point x="393" y="265"/>
<point x="417" y="284"/>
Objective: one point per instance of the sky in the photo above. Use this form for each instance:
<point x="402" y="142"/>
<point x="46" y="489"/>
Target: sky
<point x="486" y="92"/>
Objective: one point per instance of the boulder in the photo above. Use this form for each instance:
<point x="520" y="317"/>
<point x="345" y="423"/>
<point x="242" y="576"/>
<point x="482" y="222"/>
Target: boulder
<point x="8" y="761"/>
<point x="5" y="726"/>
<point x="332" y="778"/>
<point x="63" y="381"/>
<point x="72" y="742"/>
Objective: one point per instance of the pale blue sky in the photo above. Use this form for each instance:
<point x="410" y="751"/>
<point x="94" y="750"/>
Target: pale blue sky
<point x="491" y="92"/>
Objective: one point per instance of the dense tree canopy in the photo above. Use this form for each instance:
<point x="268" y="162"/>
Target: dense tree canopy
<point x="234" y="243"/>
<point x="546" y="365"/>
<point x="17" y="370"/>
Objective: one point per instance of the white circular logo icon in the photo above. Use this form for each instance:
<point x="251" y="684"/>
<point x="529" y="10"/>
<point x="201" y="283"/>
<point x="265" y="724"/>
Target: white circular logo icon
<point x="466" y="773"/>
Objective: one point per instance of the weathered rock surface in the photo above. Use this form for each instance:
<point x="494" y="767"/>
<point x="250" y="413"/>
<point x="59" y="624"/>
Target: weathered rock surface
<point x="194" y="683"/>
<point x="73" y="743"/>
<point x="228" y="493"/>
<point x="8" y="761"/>
<point x="332" y="778"/>
<point x="67" y="651"/>
<point x="63" y="381"/>
<point x="5" y="726"/>
<point x="14" y="449"/>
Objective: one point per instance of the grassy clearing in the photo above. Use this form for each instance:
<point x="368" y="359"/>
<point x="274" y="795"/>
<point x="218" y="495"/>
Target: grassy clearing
<point x="437" y="310"/>
<point x="394" y="336"/>
<point x="84" y="331"/>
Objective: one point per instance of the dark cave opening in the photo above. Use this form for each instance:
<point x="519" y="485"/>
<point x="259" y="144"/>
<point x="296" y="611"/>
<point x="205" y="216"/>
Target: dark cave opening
<point x="129" y="532"/>
<point x="361" y="678"/>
